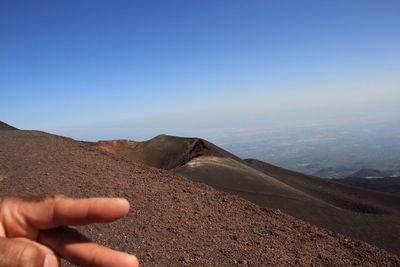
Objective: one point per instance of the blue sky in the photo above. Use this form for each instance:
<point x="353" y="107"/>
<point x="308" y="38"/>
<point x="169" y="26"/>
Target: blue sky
<point x="133" y="69"/>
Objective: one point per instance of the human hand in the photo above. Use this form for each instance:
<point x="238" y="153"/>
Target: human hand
<point x="35" y="232"/>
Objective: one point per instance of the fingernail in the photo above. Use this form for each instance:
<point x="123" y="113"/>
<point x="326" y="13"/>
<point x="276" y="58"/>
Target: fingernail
<point x="50" y="261"/>
<point x="122" y="201"/>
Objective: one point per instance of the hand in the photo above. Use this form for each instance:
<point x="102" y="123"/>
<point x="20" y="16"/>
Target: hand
<point x="34" y="232"/>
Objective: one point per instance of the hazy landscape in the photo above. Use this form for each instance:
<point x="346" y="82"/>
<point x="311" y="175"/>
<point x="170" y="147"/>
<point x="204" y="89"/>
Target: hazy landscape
<point x="324" y="151"/>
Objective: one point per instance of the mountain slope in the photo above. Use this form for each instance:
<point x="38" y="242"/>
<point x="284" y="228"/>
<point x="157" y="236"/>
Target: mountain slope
<point x="172" y="220"/>
<point x="383" y="181"/>
<point x="362" y="214"/>
<point x="5" y="126"/>
<point x="389" y="185"/>
<point x="164" y="152"/>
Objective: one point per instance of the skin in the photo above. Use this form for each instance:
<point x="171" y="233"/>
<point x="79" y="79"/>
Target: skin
<point x="36" y="232"/>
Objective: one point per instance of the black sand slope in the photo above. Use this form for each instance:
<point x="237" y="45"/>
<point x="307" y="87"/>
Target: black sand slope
<point x="389" y="185"/>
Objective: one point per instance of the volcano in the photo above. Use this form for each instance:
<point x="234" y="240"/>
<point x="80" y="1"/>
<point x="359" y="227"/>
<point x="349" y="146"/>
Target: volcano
<point x="362" y="214"/>
<point x="176" y="221"/>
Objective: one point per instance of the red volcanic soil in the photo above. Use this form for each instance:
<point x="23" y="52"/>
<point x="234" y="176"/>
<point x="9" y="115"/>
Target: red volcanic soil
<point x="173" y="221"/>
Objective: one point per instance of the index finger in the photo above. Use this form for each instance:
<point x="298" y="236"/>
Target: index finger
<point x="60" y="211"/>
<point x="77" y="249"/>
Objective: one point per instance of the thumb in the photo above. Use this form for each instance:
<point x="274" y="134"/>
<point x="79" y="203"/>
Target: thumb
<point x="17" y="252"/>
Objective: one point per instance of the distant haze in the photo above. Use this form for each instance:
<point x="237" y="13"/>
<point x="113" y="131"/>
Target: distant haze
<point x="333" y="151"/>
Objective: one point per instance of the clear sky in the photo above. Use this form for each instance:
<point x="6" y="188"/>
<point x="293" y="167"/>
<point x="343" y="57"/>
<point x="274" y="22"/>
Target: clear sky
<point x="133" y="69"/>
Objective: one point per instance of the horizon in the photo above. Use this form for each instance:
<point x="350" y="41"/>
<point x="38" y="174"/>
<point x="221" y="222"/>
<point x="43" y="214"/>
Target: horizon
<point x="100" y="70"/>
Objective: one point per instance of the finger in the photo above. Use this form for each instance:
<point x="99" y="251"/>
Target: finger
<point x="59" y="211"/>
<point x="77" y="249"/>
<point x="16" y="252"/>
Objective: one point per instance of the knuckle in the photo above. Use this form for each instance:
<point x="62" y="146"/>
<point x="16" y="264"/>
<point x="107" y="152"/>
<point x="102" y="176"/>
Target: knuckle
<point x="8" y="210"/>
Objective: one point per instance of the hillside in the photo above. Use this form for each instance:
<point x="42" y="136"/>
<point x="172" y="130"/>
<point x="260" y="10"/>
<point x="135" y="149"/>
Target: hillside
<point x="5" y="126"/>
<point x="163" y="151"/>
<point x="173" y="221"/>
<point x="384" y="181"/>
<point x="362" y="214"/>
<point x="388" y="185"/>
